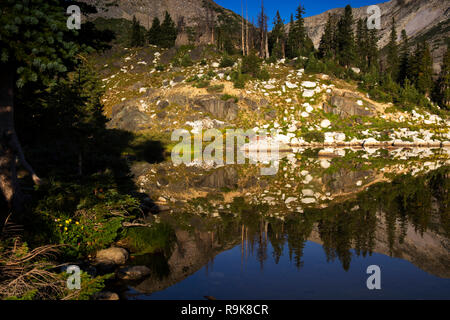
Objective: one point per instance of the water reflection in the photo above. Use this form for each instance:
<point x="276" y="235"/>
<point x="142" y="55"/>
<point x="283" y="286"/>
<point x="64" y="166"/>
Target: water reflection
<point x="356" y="207"/>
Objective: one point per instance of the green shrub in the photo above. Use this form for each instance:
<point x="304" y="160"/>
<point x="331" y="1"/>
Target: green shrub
<point x="227" y="97"/>
<point x="160" y="67"/>
<point x="86" y="217"/>
<point x="299" y="63"/>
<point x="313" y="65"/>
<point x="186" y="61"/>
<point x="193" y="79"/>
<point x="202" y="83"/>
<point x="226" y="62"/>
<point x="251" y="65"/>
<point x="271" y="59"/>
<point x="314" y="136"/>
<point x="239" y="81"/>
<point x="143" y="240"/>
<point x="264" y="75"/>
<point x="216" y="88"/>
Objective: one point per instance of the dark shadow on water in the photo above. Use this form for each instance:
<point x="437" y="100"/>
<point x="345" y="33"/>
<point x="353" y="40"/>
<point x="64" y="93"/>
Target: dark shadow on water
<point x="150" y="151"/>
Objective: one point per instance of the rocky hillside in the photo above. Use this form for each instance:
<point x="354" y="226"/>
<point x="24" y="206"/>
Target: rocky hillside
<point x="422" y="20"/>
<point x="185" y="13"/>
<point x="148" y="89"/>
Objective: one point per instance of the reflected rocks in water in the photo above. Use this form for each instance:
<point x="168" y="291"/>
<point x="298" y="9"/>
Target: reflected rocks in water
<point x="406" y="218"/>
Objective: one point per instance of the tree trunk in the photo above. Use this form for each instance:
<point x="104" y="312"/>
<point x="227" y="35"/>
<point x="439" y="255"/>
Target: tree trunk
<point x="247" y="38"/>
<point x="242" y="30"/>
<point x="10" y="148"/>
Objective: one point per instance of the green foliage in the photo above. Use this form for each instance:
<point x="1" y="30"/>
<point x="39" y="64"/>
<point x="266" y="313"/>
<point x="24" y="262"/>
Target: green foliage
<point x="216" y="88"/>
<point x="35" y="41"/>
<point x="144" y="240"/>
<point x="202" y="83"/>
<point x="227" y="97"/>
<point x="169" y="32"/>
<point x="264" y="75"/>
<point x="226" y="61"/>
<point x="192" y="79"/>
<point x="154" y="34"/>
<point x="89" y="286"/>
<point x="392" y="54"/>
<point x="87" y="216"/>
<point x="314" y="136"/>
<point x="163" y="34"/>
<point x="182" y="59"/>
<point x="160" y="67"/>
<point x="278" y="38"/>
<point x="404" y="64"/>
<point x="298" y="42"/>
<point x="442" y="89"/>
<point x="422" y="66"/>
<point x="345" y="38"/>
<point x="251" y="65"/>
<point x="313" y="65"/>
<point x="192" y="35"/>
<point x="239" y="79"/>
<point x="327" y="47"/>
<point x="137" y="36"/>
<point x="30" y="295"/>
<point x="226" y="30"/>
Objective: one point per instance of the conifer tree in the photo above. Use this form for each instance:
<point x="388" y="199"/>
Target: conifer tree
<point x="154" y="34"/>
<point x="372" y="49"/>
<point x="299" y="41"/>
<point x="290" y="42"/>
<point x="362" y="42"/>
<point x="442" y="95"/>
<point x="346" y="39"/>
<point x="137" y="38"/>
<point x="278" y="37"/>
<point x="422" y="68"/>
<point x="403" y="73"/>
<point x="392" y="54"/>
<point x="169" y="32"/>
<point x="35" y="47"/>
<point x="327" y="47"/>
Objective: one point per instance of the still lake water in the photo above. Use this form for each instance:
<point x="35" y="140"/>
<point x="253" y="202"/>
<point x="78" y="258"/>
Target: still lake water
<point x="263" y="240"/>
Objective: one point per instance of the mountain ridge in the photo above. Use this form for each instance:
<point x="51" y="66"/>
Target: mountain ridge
<point x="185" y="13"/>
<point x="417" y="17"/>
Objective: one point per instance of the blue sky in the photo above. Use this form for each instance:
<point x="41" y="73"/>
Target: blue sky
<point x="286" y="7"/>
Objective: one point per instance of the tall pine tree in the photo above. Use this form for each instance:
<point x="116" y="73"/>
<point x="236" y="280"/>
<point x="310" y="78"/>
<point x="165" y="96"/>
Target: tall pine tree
<point x="169" y="32"/>
<point x="392" y="54"/>
<point x="278" y="36"/>
<point x="442" y="91"/>
<point x="35" y="47"/>
<point x="362" y="42"/>
<point x="422" y="68"/>
<point x="154" y="34"/>
<point x="327" y="47"/>
<point x="299" y="46"/>
<point x="137" y="38"/>
<point x="290" y="42"/>
<point x="346" y="38"/>
<point x="403" y="72"/>
<point x="372" y="49"/>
